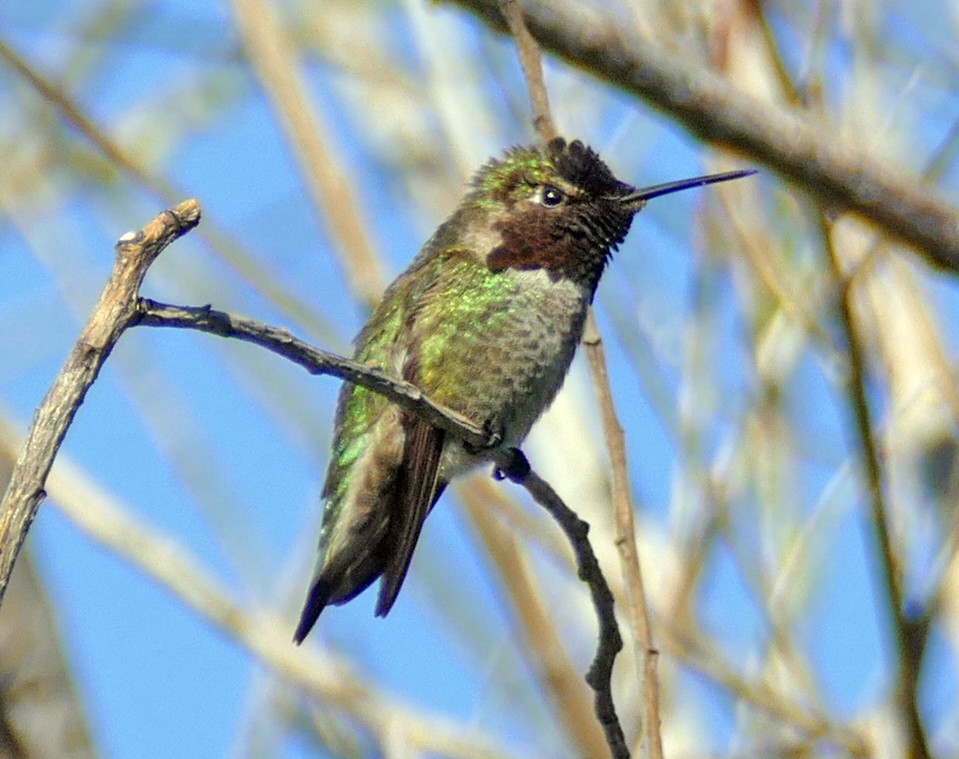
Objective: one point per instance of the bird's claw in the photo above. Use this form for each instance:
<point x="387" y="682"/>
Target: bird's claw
<point x="494" y="438"/>
<point x="515" y="466"/>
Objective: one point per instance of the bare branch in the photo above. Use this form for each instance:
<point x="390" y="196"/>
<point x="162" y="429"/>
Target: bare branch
<point x="910" y="635"/>
<point x="637" y="607"/>
<point x="114" y="312"/>
<point x="532" y="63"/>
<point x="513" y="465"/>
<point x="280" y="341"/>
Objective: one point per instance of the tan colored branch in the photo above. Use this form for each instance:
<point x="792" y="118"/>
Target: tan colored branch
<point x="114" y="312"/>
<point x="636" y="605"/>
<point x="329" y="185"/>
<point x="531" y="60"/>
<point x="41" y="712"/>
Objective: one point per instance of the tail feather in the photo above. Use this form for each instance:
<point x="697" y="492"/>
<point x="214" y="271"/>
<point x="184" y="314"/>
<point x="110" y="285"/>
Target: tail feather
<point x="336" y="584"/>
<point x="316" y="601"/>
<point x="376" y="530"/>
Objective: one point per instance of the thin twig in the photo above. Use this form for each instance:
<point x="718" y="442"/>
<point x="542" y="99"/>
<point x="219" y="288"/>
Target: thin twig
<point x="836" y="173"/>
<point x="610" y="643"/>
<point x="297" y="111"/>
<point x="114" y="312"/>
<point x="908" y="633"/>
<point x="532" y="63"/>
<point x="637" y="610"/>
<point x="280" y="341"/>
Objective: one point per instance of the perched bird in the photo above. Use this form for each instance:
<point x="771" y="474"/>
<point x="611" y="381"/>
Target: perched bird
<point x="485" y="321"/>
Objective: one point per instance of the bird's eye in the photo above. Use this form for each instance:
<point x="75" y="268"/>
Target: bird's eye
<point x="552" y="196"/>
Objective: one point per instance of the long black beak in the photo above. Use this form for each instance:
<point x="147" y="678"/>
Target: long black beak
<point x="638" y="198"/>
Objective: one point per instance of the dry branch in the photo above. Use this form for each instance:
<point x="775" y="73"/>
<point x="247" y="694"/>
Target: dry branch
<point x="637" y="607"/>
<point x="114" y="312"/>
<point x="532" y="64"/>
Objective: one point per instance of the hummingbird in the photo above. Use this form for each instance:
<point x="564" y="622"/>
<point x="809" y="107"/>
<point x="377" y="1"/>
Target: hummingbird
<point x="485" y="321"/>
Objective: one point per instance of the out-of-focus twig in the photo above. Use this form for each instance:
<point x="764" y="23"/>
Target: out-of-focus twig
<point x="114" y="312"/>
<point x="329" y="185"/>
<point x="223" y="244"/>
<point x="687" y="642"/>
<point x="41" y="713"/>
<point x="908" y="634"/>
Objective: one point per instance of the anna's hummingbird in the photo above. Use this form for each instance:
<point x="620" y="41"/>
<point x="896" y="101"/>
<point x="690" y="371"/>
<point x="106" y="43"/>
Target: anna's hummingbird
<point x="485" y="321"/>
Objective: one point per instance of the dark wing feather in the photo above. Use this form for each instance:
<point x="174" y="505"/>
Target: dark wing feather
<point x="417" y="487"/>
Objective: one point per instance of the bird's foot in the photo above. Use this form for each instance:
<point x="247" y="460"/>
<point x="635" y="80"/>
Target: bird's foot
<point x="514" y="466"/>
